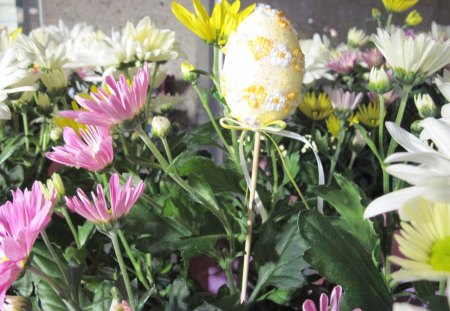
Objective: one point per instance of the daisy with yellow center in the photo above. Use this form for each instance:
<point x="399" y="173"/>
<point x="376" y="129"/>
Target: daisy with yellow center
<point x="398" y="6"/>
<point x="333" y="125"/>
<point x="316" y="107"/>
<point x="216" y="28"/>
<point x="424" y="241"/>
<point x="369" y="114"/>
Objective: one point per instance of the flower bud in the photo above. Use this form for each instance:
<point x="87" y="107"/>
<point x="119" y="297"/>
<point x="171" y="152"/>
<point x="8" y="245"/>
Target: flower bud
<point x="376" y="14"/>
<point x="55" y="133"/>
<point x="17" y="303"/>
<point x="378" y="81"/>
<point x="122" y="306"/>
<point x="55" y="182"/>
<point x="161" y="127"/>
<point x="413" y="19"/>
<point x="356" y="37"/>
<point x="55" y="81"/>
<point x="188" y="73"/>
<point x="43" y="101"/>
<point x="358" y="142"/>
<point x="416" y="127"/>
<point x="425" y="105"/>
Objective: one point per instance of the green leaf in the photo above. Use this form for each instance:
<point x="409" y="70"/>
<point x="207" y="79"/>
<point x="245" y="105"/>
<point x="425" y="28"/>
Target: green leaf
<point x="278" y="256"/>
<point x="219" y="179"/>
<point x="347" y="201"/>
<point x="370" y="143"/>
<point x="102" y="296"/>
<point x="194" y="246"/>
<point x="24" y="286"/>
<point x="341" y="259"/>
<point x="11" y="146"/>
<point x="49" y="300"/>
<point x="45" y="262"/>
<point x="178" y="295"/>
<point x="85" y="232"/>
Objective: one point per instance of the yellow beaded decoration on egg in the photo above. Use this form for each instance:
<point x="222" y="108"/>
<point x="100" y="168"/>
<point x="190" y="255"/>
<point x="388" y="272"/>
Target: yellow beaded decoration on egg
<point x="255" y="95"/>
<point x="297" y="59"/>
<point x="260" y="47"/>
<point x="282" y="20"/>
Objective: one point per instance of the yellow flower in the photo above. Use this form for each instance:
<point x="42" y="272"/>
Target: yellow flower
<point x="316" y="107"/>
<point x="369" y="114"/>
<point x="62" y="122"/>
<point x="398" y="6"/>
<point x="424" y="241"/>
<point x="413" y="19"/>
<point x="333" y="125"/>
<point x="216" y="28"/>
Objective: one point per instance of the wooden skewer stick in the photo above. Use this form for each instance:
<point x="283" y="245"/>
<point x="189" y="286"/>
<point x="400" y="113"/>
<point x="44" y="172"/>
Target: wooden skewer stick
<point x="248" y="238"/>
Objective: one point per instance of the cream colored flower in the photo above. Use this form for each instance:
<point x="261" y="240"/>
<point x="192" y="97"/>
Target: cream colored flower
<point x="317" y="55"/>
<point x="425" y="105"/>
<point x="424" y="240"/>
<point x="443" y="83"/>
<point x="440" y="32"/>
<point x="356" y="37"/>
<point x="378" y="81"/>
<point x="412" y="59"/>
<point x="145" y="42"/>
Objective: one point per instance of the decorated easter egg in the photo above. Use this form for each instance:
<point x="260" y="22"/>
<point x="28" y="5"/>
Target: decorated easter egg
<point x="263" y="70"/>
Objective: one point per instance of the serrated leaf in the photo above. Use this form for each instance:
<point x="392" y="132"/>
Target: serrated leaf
<point x="24" y="286"/>
<point x="102" y="296"/>
<point x="347" y="201"/>
<point x="278" y="255"/>
<point x="341" y="259"/>
<point x="49" y="300"/>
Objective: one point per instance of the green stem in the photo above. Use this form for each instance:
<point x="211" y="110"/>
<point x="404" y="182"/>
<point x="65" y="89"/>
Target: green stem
<point x="389" y="21"/>
<point x="381" y="142"/>
<point x="275" y="171"/>
<point x="25" y="129"/>
<point x="398" y="120"/>
<point x="15" y="122"/>
<point x="442" y="288"/>
<point x="167" y="149"/>
<point x="136" y="265"/>
<point x="61" y="292"/>
<point x="205" y="104"/>
<point x="229" y="274"/>
<point x="148" y="261"/>
<point x="352" y="161"/>
<point x="55" y="256"/>
<point x="124" y="143"/>
<point x="2" y="130"/>
<point x="71" y="226"/>
<point x="341" y="138"/>
<point x="150" y="145"/>
<point x="123" y="268"/>
<point x="151" y="88"/>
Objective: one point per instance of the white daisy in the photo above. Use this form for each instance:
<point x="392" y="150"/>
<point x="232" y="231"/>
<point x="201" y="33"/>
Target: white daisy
<point x="430" y="178"/>
<point x="317" y="56"/>
<point x="443" y="83"/>
<point x="413" y="59"/>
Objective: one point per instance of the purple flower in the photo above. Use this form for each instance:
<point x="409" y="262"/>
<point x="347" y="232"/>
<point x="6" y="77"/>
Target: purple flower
<point x="344" y="62"/>
<point x="332" y="304"/>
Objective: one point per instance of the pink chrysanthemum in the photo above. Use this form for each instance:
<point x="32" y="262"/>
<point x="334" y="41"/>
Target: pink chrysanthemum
<point x="21" y="221"/>
<point x="92" y="151"/>
<point x="114" y="104"/>
<point x="344" y="63"/>
<point x="372" y="57"/>
<point x="121" y="201"/>
<point x="344" y="100"/>
<point x="334" y="302"/>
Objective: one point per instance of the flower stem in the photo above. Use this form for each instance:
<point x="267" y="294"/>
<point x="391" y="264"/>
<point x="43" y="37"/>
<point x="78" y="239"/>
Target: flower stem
<point x="248" y="237"/>
<point x="341" y="138"/>
<point x="55" y="287"/>
<point x="229" y="274"/>
<point x="71" y="226"/>
<point x="275" y="172"/>
<point x="167" y="149"/>
<point x="124" y="143"/>
<point x="25" y="130"/>
<point x="55" y="256"/>
<point x="150" y="145"/>
<point x="123" y="268"/>
<point x="136" y="265"/>
<point x="381" y="142"/>
<point x="389" y="21"/>
<point x="398" y="120"/>
<point x="205" y="104"/>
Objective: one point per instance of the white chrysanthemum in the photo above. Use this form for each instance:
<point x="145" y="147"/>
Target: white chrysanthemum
<point x="91" y="50"/>
<point x="440" y="32"/>
<point x="424" y="241"/>
<point x="443" y="83"/>
<point x="429" y="176"/>
<point x="412" y="58"/>
<point x="317" y="56"/>
<point x="43" y="49"/>
<point x="356" y="37"/>
<point x="145" y="42"/>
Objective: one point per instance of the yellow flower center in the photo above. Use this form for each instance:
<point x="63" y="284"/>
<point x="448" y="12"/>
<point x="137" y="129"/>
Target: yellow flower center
<point x="440" y="255"/>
